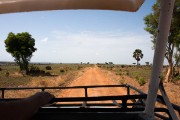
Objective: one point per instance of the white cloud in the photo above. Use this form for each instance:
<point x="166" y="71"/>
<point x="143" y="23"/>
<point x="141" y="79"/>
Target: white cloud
<point x="45" y="39"/>
<point x="97" y="54"/>
<point x="89" y="38"/>
<point x="94" y="47"/>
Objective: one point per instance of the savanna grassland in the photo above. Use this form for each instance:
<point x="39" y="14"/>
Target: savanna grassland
<point x="41" y="75"/>
<point x="54" y="75"/>
<point x="139" y="77"/>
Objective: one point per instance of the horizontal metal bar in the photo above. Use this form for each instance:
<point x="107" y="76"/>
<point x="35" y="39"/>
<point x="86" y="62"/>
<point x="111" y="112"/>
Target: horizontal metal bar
<point x="51" y="109"/>
<point x="99" y="98"/>
<point x="73" y="87"/>
<point x="93" y="104"/>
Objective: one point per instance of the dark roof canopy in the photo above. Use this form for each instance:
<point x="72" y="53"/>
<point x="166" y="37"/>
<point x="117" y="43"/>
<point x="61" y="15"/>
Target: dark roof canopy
<point x="11" y="6"/>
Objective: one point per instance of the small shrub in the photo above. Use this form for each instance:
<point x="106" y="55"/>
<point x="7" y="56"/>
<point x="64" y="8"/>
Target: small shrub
<point x="177" y="78"/>
<point x="42" y="72"/>
<point x="122" y="66"/>
<point x="176" y="73"/>
<point x="137" y="77"/>
<point x="62" y="70"/>
<point x="48" y="74"/>
<point x="122" y="81"/>
<point x="127" y="73"/>
<point x="7" y="74"/>
<point x="79" y="67"/>
<point x="48" y="68"/>
<point x="141" y="81"/>
<point x="118" y="74"/>
<point x="0" y="69"/>
<point x="34" y="69"/>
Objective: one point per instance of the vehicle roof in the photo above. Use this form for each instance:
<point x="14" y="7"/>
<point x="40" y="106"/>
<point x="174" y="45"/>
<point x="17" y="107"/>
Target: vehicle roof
<point x="12" y="6"/>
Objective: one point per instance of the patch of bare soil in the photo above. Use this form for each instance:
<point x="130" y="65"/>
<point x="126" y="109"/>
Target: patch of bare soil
<point x="16" y="74"/>
<point x="97" y="76"/>
<point x="93" y="76"/>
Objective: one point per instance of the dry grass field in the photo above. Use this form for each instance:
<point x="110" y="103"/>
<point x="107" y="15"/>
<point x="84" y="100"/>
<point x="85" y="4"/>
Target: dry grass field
<point x="78" y="75"/>
<point x="58" y="75"/>
<point x="139" y="77"/>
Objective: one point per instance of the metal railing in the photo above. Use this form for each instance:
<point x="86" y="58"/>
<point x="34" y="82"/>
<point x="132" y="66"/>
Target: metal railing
<point x="74" y="87"/>
<point x="124" y="98"/>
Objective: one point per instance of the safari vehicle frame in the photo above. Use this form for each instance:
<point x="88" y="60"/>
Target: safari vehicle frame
<point x="146" y="112"/>
<point x="117" y="108"/>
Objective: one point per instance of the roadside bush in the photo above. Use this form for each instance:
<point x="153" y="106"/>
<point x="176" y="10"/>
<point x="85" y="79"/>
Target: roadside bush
<point x="48" y="74"/>
<point x="36" y="71"/>
<point x="118" y="73"/>
<point x="0" y="69"/>
<point x="48" y="68"/>
<point x="137" y="77"/>
<point x="122" y="66"/>
<point x="127" y="73"/>
<point x="79" y="67"/>
<point x="111" y="68"/>
<point x="122" y="81"/>
<point x="177" y="78"/>
<point x="141" y="81"/>
<point x="7" y="74"/>
<point x="62" y="70"/>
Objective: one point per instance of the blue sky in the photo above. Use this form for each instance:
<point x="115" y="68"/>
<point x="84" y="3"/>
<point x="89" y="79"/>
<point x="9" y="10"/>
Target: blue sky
<point x="93" y="36"/>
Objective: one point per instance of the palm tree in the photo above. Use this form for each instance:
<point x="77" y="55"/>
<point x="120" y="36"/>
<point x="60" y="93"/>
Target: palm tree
<point x="138" y="55"/>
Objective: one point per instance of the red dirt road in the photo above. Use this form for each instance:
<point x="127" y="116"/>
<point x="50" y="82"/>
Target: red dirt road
<point x="93" y="76"/>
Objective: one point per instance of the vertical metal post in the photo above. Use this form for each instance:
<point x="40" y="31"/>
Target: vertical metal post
<point x="86" y="94"/>
<point x="2" y="93"/>
<point x="128" y="90"/>
<point x="124" y="103"/>
<point x="43" y="89"/>
<point x="166" y="10"/>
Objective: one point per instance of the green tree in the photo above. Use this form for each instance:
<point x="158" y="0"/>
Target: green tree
<point x="138" y="55"/>
<point x="21" y="47"/>
<point x="173" y="46"/>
